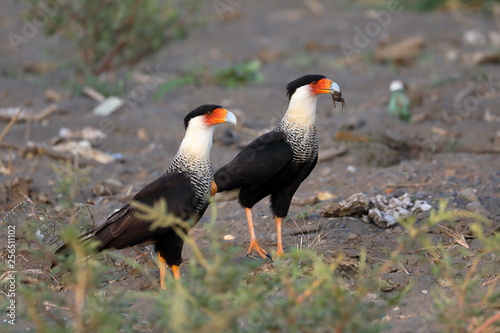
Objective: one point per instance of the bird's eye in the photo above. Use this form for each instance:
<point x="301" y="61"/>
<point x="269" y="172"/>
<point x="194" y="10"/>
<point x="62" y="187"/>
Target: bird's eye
<point x="314" y="82"/>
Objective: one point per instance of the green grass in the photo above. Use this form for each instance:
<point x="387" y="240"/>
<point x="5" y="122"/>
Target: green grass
<point x="432" y="5"/>
<point x="234" y="76"/>
<point x="436" y="5"/>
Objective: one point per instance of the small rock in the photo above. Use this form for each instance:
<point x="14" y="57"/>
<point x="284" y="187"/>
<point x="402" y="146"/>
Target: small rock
<point x="420" y="206"/>
<point x="325" y="195"/>
<point x="380" y="201"/>
<point x="382" y="219"/>
<point x="397" y="193"/>
<point x="400" y="212"/>
<point x="402" y="201"/>
<point x="352" y="253"/>
<point x="444" y="282"/>
<point x="386" y="286"/>
<point x="307" y="201"/>
<point x="356" y="205"/>
<point x="351" y="169"/>
<point x="396" y="280"/>
<point x="420" y="195"/>
<point x="352" y="236"/>
<point x="475" y="207"/>
<point x="468" y="195"/>
<point x="228" y="237"/>
<point x="475" y="37"/>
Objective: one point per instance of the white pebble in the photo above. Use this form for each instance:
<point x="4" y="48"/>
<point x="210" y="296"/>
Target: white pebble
<point x="351" y="169"/>
<point x="228" y="237"/>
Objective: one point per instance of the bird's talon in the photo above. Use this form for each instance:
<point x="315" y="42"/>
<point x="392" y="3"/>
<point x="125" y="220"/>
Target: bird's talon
<point x="254" y="246"/>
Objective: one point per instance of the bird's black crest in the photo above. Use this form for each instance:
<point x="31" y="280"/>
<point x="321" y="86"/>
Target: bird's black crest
<point x="301" y="81"/>
<point x="200" y="110"/>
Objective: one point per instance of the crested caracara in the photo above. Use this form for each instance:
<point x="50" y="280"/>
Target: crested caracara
<point x="277" y="162"/>
<point x="185" y="187"/>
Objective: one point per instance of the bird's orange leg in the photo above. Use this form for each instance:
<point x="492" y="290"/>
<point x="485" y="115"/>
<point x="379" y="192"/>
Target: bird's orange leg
<point x="163" y="270"/>
<point x="279" y="248"/>
<point x="176" y="271"/>
<point x="254" y="245"/>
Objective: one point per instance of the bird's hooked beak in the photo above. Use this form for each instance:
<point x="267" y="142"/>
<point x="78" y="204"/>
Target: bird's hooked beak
<point x="327" y="86"/>
<point x="220" y="115"/>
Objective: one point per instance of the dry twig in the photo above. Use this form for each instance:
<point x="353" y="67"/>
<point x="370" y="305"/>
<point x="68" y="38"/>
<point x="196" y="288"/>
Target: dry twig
<point x="457" y="237"/>
<point x="10" y="124"/>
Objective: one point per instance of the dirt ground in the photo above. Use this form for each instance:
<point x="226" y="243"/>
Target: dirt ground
<point x="453" y="144"/>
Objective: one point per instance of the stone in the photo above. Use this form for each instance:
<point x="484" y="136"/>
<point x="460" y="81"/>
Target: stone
<point x="475" y="207"/>
<point x="352" y="236"/>
<point x="468" y="195"/>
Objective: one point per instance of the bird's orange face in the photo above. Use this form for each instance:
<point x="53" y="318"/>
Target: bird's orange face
<point x="323" y="86"/>
<point x="219" y="115"/>
<point x="327" y="86"/>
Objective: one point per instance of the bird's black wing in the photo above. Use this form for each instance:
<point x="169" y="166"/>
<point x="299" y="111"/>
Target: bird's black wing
<point x="123" y="228"/>
<point x="256" y="163"/>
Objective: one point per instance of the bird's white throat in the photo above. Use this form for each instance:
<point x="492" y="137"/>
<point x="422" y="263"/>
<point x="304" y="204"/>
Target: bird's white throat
<point x="302" y="107"/>
<point x="197" y="140"/>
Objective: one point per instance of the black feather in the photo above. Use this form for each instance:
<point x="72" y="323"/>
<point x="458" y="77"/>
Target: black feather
<point x="123" y="229"/>
<point x="256" y="163"/>
<point x="263" y="168"/>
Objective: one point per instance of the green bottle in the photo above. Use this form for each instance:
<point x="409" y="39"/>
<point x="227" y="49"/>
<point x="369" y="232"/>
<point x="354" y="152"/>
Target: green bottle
<point x="399" y="104"/>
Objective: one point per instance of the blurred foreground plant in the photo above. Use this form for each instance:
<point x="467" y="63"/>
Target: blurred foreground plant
<point x="300" y="292"/>
<point x="467" y="293"/>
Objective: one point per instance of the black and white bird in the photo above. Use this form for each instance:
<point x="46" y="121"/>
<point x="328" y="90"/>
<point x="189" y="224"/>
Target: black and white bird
<point x="185" y="186"/>
<point x="277" y="162"/>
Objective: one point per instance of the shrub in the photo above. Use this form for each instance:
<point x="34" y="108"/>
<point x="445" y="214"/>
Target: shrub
<point x="111" y="34"/>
